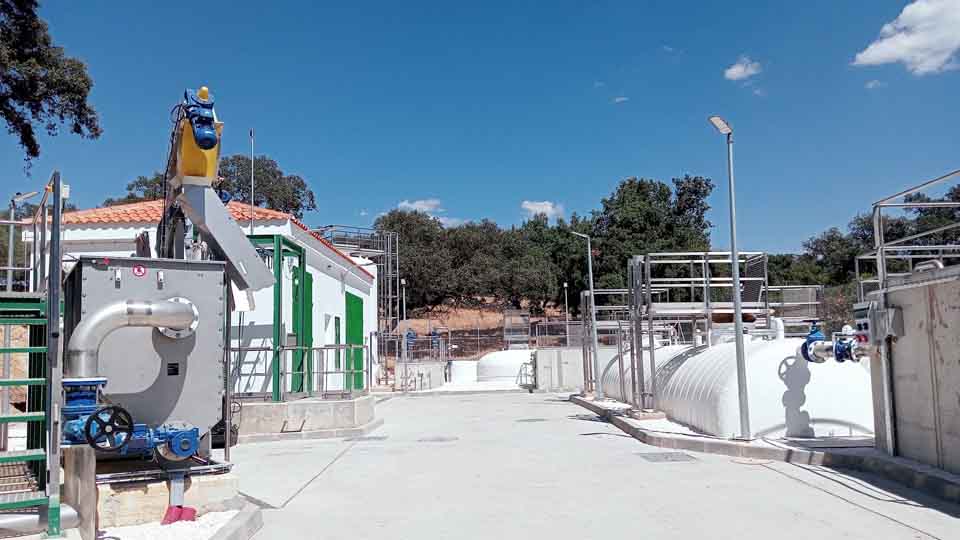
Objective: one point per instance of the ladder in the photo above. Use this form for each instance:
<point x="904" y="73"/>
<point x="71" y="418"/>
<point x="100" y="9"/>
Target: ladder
<point x="23" y="472"/>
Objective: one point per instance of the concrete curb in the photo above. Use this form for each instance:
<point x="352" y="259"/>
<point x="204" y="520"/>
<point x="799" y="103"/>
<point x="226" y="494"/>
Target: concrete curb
<point x="317" y="434"/>
<point x="930" y="480"/>
<point x="431" y="393"/>
<point x="243" y="526"/>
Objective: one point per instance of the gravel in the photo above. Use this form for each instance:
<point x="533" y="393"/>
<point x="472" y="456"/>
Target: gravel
<point x="203" y="528"/>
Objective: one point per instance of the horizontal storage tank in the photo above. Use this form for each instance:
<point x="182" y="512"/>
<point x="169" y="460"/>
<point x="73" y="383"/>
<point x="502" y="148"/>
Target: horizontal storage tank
<point x="787" y="395"/>
<point x="503" y="365"/>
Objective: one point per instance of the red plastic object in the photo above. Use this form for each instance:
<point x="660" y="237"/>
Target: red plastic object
<point x="172" y="514"/>
<point x="188" y="513"/>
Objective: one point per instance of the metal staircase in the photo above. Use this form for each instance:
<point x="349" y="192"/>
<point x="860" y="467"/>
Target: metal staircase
<point x="30" y="476"/>
<point x="23" y="471"/>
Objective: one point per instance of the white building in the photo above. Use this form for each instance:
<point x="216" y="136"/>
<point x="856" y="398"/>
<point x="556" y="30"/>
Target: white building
<point x="325" y="298"/>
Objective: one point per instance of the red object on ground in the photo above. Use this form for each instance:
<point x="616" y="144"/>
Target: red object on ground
<point x="188" y="513"/>
<point x="172" y="514"/>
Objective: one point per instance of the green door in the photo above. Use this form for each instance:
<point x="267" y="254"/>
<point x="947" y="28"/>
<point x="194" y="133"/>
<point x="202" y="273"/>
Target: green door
<point x="303" y="328"/>
<point x="354" y="312"/>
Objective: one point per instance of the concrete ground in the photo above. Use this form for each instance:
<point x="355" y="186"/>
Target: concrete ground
<point x="535" y="466"/>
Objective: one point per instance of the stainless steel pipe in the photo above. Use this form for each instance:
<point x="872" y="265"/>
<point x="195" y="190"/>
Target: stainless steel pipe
<point x="83" y="350"/>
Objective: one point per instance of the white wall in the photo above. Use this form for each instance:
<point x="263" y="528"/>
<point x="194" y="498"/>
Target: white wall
<point x="333" y="275"/>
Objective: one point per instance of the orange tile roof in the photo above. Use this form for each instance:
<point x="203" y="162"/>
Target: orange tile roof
<point x="152" y="211"/>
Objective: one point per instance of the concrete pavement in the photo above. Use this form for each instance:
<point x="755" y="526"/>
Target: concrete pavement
<point x="534" y="465"/>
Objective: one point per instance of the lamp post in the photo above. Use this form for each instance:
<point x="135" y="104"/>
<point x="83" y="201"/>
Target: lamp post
<point x="252" y="163"/>
<point x="598" y="387"/>
<point x="724" y="128"/>
<point x="566" y="312"/>
<point x="403" y="289"/>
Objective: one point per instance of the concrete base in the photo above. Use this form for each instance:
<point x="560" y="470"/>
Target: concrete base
<point x="936" y="482"/>
<point x="305" y="419"/>
<point x="144" y="502"/>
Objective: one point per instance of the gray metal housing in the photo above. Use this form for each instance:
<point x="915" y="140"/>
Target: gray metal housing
<point x="157" y="378"/>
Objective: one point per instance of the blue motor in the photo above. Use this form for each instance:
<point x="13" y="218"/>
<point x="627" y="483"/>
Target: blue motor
<point x="199" y="110"/>
<point x="111" y="428"/>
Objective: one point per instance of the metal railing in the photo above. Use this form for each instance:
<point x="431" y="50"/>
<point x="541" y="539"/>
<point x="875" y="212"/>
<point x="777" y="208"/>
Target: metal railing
<point x="327" y="372"/>
<point x="33" y="272"/>
<point x="898" y="258"/>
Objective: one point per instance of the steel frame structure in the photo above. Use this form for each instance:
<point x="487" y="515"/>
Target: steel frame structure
<point x="910" y="248"/>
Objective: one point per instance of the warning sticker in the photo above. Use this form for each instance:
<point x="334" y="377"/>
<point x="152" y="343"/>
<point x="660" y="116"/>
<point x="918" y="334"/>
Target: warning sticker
<point x="139" y="270"/>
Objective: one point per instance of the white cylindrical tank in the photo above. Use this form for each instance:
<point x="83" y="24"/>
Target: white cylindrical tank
<point x="463" y="371"/>
<point x="502" y="365"/>
<point x="787" y="395"/>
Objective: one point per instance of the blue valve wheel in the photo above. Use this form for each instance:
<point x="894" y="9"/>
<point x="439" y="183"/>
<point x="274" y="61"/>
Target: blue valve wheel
<point x="109" y="429"/>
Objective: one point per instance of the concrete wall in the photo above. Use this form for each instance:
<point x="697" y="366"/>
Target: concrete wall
<point x="560" y="369"/>
<point x="926" y="372"/>
<point x="303" y="417"/>
<point x="420" y="375"/>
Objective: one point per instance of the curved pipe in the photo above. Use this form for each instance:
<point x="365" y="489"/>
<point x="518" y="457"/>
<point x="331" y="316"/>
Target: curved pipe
<point x="83" y="350"/>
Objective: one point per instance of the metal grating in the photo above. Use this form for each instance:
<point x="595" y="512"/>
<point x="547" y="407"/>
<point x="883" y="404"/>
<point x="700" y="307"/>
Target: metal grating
<point x="666" y="457"/>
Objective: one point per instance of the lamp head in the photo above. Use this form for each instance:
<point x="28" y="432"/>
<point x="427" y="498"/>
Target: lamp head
<point x="721" y="125"/>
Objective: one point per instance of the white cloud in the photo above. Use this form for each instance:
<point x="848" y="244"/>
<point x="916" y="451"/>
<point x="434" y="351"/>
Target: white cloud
<point x="449" y="221"/>
<point x="421" y="205"/>
<point x="599" y="84"/>
<point x="925" y="37"/>
<point x="870" y="85"/>
<point x="364" y="213"/>
<point x="759" y="92"/>
<point x="431" y="207"/>
<point x="668" y="49"/>
<point x="548" y="208"/>
<point x="743" y="69"/>
<point x="620" y="99"/>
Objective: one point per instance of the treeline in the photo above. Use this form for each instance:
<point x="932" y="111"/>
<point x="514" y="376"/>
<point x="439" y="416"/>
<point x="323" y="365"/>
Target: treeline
<point x="480" y="263"/>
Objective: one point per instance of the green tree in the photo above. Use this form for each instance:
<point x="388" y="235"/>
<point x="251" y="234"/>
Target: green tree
<point x="40" y="86"/>
<point x="273" y="188"/>
<point x="425" y="260"/>
<point x="646" y="216"/>
<point x="144" y="188"/>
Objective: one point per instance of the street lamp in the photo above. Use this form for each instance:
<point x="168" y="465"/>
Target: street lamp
<point x="403" y="288"/>
<point x="724" y="128"/>
<point x="598" y="387"/>
<point x="566" y="311"/>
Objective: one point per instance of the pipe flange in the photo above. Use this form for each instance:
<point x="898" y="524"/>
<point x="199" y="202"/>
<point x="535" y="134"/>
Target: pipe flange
<point x="174" y="333"/>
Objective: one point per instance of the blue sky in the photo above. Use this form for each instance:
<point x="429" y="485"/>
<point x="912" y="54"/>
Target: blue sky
<point x="470" y="109"/>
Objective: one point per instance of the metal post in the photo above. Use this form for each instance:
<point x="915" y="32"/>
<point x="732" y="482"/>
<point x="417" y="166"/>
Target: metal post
<point x="252" y="163"/>
<point x="54" y="367"/>
<point x="745" y="432"/>
<point x="7" y="330"/>
<point x="227" y="377"/>
<point x="566" y="311"/>
<point x="651" y="341"/>
<point x="598" y="390"/>
<point x="622" y="378"/>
